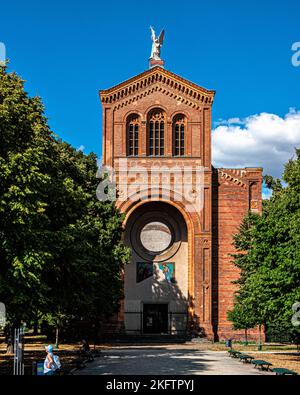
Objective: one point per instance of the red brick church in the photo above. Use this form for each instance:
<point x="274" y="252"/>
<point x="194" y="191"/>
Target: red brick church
<point x="180" y="275"/>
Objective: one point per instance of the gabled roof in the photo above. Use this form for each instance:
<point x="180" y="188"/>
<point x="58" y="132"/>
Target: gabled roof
<point x="160" y="79"/>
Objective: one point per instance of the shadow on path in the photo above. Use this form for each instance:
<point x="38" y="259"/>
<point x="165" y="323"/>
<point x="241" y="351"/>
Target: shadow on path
<point x="162" y="361"/>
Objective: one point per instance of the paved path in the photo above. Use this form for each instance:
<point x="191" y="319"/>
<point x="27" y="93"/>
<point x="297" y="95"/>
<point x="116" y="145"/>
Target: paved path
<point x="174" y="360"/>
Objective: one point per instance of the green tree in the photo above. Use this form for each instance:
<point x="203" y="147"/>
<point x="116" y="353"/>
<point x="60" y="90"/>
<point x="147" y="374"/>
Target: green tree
<point x="242" y="318"/>
<point x="269" y="252"/>
<point x="61" y="255"/>
<point x="24" y="141"/>
<point x="247" y="312"/>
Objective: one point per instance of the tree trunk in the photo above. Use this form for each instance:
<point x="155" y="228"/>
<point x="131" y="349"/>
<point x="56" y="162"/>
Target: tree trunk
<point x="10" y="348"/>
<point x="246" y="337"/>
<point x="56" y="337"/>
<point x="10" y="340"/>
<point x="95" y="336"/>
<point x="260" y="343"/>
<point x="35" y="328"/>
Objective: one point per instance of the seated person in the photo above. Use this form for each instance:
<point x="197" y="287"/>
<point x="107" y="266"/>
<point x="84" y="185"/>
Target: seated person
<point x="85" y="347"/>
<point x="51" y="363"/>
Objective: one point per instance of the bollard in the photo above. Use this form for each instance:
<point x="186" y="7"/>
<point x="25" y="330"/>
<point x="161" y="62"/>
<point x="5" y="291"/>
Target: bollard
<point x="229" y="343"/>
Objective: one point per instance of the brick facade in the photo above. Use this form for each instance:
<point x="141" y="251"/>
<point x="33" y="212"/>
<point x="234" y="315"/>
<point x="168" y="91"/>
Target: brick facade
<point x="228" y="193"/>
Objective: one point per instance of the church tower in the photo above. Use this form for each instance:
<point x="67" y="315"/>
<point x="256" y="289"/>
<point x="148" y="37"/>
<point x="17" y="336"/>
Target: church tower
<point x="180" y="212"/>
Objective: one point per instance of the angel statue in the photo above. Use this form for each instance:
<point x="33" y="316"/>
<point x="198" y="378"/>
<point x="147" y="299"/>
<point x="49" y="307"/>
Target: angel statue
<point x="157" y="44"/>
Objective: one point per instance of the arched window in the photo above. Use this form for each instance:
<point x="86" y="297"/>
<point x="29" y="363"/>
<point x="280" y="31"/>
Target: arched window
<point x="133" y="124"/>
<point x="156" y="133"/>
<point x="179" y="127"/>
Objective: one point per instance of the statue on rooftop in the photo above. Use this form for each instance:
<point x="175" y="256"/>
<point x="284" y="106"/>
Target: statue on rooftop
<point x="157" y="44"/>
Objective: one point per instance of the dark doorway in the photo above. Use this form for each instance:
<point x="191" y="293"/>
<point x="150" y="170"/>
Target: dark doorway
<point x="155" y="318"/>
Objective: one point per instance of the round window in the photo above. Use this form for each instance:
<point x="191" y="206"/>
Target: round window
<point x="156" y="237"/>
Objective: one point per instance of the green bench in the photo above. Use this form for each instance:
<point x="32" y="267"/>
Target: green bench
<point x="234" y="353"/>
<point x="284" y="372"/>
<point x="259" y="363"/>
<point x="245" y="358"/>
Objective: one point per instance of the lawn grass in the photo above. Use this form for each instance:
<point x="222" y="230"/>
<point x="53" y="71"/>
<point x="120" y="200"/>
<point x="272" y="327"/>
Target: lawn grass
<point x="279" y="355"/>
<point x="240" y="346"/>
<point x="289" y="360"/>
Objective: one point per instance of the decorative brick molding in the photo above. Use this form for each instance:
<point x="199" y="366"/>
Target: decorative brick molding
<point x="165" y="79"/>
<point x="234" y="175"/>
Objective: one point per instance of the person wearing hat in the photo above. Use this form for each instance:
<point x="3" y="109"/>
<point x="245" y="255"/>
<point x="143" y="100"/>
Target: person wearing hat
<point x="49" y="363"/>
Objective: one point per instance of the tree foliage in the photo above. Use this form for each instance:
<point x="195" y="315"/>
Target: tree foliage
<point x="61" y="254"/>
<point x="269" y="254"/>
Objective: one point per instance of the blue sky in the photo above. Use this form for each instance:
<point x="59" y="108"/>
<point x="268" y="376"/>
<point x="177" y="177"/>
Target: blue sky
<point x="68" y="50"/>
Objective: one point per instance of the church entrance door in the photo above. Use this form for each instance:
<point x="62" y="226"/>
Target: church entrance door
<point x="155" y="318"/>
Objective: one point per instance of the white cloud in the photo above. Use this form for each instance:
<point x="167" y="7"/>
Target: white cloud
<point x="230" y="121"/>
<point x="266" y="193"/>
<point x="263" y="140"/>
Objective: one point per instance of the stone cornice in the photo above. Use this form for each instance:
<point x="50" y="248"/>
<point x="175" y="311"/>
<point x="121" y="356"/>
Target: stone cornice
<point x="236" y="176"/>
<point x="157" y="79"/>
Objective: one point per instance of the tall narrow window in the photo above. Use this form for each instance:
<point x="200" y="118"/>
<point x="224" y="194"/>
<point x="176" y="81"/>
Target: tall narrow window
<point x="179" y="126"/>
<point x="156" y="133"/>
<point x="133" y="135"/>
